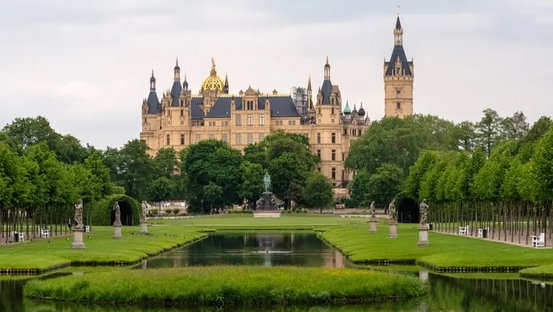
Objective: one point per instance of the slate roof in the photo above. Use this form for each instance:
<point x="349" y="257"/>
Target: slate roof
<point x="175" y="93"/>
<point x="281" y="106"/>
<point x="398" y="23"/>
<point x="326" y="89"/>
<point x="398" y="52"/>
<point x="153" y="103"/>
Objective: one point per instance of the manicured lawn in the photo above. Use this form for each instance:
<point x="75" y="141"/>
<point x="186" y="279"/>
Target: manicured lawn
<point x="444" y="251"/>
<point x="223" y="286"/>
<point x="540" y="272"/>
<point x="100" y="248"/>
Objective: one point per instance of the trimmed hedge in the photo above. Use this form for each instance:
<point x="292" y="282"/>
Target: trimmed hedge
<point x="100" y="213"/>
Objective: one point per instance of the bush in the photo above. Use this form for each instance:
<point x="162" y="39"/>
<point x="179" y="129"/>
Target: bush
<point x="100" y="213"/>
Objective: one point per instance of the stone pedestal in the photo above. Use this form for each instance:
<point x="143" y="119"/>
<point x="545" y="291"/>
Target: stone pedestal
<point x="393" y="229"/>
<point x="372" y="225"/>
<point x="423" y="236"/>
<point x="78" y="240"/>
<point x="117" y="232"/>
<point x="266" y="206"/>
<point x="423" y="276"/>
<point x="144" y="228"/>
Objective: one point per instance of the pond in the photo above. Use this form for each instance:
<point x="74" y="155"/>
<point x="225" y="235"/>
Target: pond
<point x="482" y="292"/>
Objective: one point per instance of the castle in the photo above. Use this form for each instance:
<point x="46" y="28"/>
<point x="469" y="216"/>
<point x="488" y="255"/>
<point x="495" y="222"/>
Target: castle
<point x="181" y="118"/>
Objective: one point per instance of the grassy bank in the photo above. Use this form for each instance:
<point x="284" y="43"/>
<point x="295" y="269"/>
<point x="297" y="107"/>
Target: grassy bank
<point x="41" y="255"/>
<point x="229" y="286"/>
<point x="544" y="272"/>
<point x="445" y="252"/>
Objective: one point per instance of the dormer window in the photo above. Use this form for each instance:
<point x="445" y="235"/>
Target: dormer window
<point x="398" y="94"/>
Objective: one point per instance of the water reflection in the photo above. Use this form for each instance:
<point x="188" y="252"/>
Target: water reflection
<point x="267" y="249"/>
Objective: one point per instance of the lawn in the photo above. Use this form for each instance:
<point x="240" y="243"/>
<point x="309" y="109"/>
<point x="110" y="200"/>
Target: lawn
<point x="100" y="248"/>
<point x="224" y="286"/>
<point x="445" y="251"/>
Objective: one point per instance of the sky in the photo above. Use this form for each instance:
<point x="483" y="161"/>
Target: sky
<point x="85" y="65"/>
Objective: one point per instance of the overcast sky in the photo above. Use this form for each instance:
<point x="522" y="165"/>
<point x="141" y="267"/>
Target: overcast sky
<point x="85" y="65"/>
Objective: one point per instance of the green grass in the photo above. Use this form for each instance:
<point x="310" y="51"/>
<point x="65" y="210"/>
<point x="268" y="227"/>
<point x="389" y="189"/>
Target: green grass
<point x="444" y="251"/>
<point x="222" y="286"/>
<point x="100" y="248"/>
<point x="544" y="272"/>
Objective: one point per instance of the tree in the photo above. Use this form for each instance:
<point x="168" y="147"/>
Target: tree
<point x="212" y="161"/>
<point x="318" y="192"/>
<point x="466" y="135"/>
<point x="252" y="181"/>
<point x="385" y="184"/>
<point x="543" y="161"/>
<point x="359" y="189"/>
<point x="212" y="194"/>
<point x="133" y="168"/>
<point x="165" y="163"/>
<point x="489" y="130"/>
<point x="514" y="127"/>
<point x="417" y="171"/>
<point x="160" y="189"/>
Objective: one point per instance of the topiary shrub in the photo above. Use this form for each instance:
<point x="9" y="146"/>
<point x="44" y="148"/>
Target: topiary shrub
<point x="101" y="212"/>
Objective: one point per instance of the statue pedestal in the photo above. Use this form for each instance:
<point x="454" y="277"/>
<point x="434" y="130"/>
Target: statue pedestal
<point x="372" y="225"/>
<point x="117" y="232"/>
<point x="144" y="228"/>
<point x="423" y="236"/>
<point x="266" y="206"/>
<point x="78" y="239"/>
<point x="393" y="229"/>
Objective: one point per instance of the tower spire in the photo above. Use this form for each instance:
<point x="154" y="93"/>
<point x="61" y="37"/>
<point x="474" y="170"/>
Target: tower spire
<point x="226" y="87"/>
<point x="398" y="32"/>
<point x="177" y="71"/>
<point x="309" y="83"/>
<point x="327" y="70"/>
<point x="152" y="82"/>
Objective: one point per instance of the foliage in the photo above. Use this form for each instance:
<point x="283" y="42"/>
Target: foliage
<point x="213" y="162"/>
<point x="100" y="212"/>
<point x="318" y="192"/>
<point x="252" y="181"/>
<point x="161" y="189"/>
<point x="359" y="190"/>
<point x="385" y="184"/>
<point x="489" y="130"/>
<point x="229" y="286"/>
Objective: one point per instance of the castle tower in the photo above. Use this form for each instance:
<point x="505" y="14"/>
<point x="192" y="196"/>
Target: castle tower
<point x="177" y="88"/>
<point x="398" y="79"/>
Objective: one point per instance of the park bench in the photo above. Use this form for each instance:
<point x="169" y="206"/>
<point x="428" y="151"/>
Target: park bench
<point x="538" y="240"/>
<point x="463" y="230"/>
<point x="44" y="233"/>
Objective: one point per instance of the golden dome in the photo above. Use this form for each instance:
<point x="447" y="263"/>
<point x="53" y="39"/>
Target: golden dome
<point x="213" y="82"/>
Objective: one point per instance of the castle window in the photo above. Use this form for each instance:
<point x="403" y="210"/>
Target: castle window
<point x="261" y="137"/>
<point x="182" y="139"/>
<point x="225" y="137"/>
<point x="333" y="155"/>
<point x="398" y="105"/>
<point x="345" y="131"/>
<point x="398" y="94"/>
<point x="198" y="137"/>
<point x="333" y="137"/>
<point x="250" y="138"/>
<point x="250" y="120"/>
<point x="238" y="138"/>
<point x="182" y="112"/>
<point x="333" y="173"/>
<point x="225" y="123"/>
<point x="319" y="153"/>
<point x="360" y="132"/>
<point x="238" y="120"/>
<point x="168" y="139"/>
<point x="261" y="120"/>
<point x="333" y="107"/>
<point x="318" y="138"/>
<point x="354" y="132"/>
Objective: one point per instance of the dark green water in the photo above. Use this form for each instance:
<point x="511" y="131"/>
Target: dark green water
<point x="305" y="249"/>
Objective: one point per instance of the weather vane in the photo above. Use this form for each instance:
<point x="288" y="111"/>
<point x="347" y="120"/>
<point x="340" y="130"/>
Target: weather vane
<point x="398" y="8"/>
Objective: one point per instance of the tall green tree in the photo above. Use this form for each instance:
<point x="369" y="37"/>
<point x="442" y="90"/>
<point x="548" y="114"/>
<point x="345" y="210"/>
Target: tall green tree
<point x="488" y="130"/>
<point x="318" y="192"/>
<point x="385" y="184"/>
<point x="252" y="182"/>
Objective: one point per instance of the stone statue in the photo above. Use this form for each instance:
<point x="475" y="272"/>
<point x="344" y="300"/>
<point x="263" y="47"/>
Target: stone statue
<point x="79" y="215"/>
<point x="392" y="211"/>
<point x="372" y="210"/>
<point x="267" y="182"/>
<point x="144" y="211"/>
<point x="423" y="211"/>
<point x="117" y="210"/>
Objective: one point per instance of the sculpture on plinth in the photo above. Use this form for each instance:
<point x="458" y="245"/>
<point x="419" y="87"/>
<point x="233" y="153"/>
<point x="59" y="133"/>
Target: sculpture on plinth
<point x="392" y="215"/>
<point x="372" y="220"/>
<point x="143" y="217"/>
<point x="266" y="205"/>
<point x="117" y="223"/>
<point x="78" y="228"/>
<point x="423" y="224"/>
